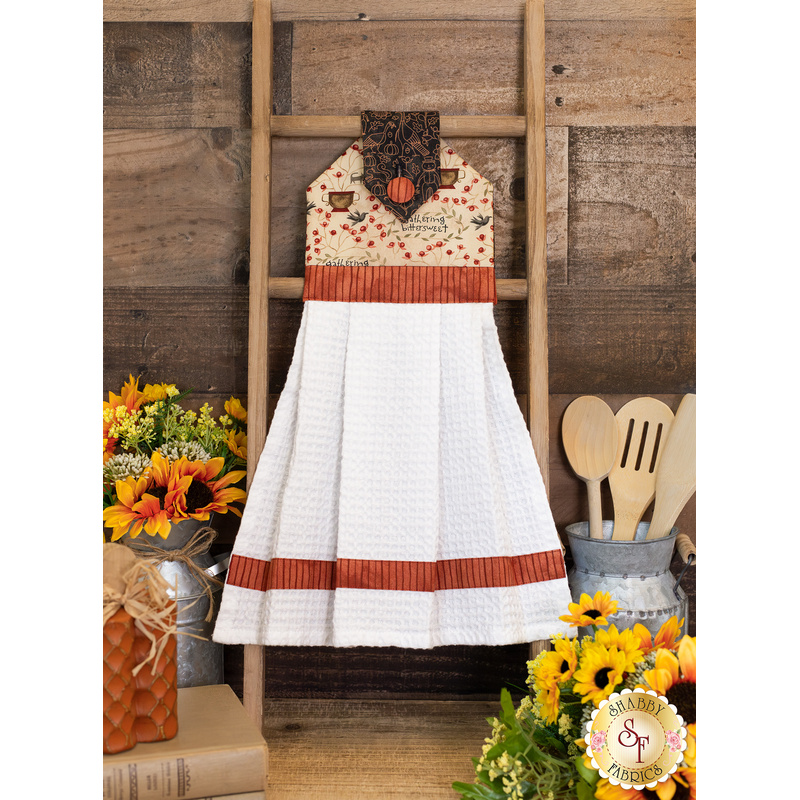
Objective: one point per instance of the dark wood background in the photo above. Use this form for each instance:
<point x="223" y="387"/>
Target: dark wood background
<point x="621" y="231"/>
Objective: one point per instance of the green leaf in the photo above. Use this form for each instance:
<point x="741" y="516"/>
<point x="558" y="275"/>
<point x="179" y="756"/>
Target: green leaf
<point x="478" y="791"/>
<point x="584" y="791"/>
<point x="509" y="715"/>
<point x="547" y="738"/>
<point x="591" y="776"/>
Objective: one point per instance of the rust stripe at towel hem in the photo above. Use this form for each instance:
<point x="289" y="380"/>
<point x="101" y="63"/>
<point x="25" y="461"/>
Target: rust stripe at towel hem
<point x="399" y="284"/>
<point x="406" y="576"/>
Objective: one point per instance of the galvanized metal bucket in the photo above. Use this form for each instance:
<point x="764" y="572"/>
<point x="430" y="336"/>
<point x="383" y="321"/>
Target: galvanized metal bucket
<point x="200" y="661"/>
<point x="636" y="574"/>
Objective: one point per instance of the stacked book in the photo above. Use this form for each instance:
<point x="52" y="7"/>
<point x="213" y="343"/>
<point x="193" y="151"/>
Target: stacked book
<point x="218" y="753"/>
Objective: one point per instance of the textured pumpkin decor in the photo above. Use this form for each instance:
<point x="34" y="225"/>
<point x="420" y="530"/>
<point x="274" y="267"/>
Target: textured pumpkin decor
<point x="139" y="663"/>
<point x="400" y="189"/>
<point x="163" y="463"/>
<point x="537" y="749"/>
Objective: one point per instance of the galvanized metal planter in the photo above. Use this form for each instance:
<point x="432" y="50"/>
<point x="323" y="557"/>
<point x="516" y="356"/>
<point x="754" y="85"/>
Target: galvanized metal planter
<point x="200" y="660"/>
<point x="635" y="573"/>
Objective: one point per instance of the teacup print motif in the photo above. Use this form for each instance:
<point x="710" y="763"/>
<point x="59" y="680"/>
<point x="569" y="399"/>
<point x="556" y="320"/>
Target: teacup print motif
<point x="636" y="739"/>
<point x="341" y="201"/>
<point x="449" y="177"/>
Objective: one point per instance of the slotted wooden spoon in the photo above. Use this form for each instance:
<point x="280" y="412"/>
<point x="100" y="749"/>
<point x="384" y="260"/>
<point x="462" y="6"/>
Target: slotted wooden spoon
<point x="643" y="425"/>
<point x="589" y="433"/>
<point x="677" y="478"/>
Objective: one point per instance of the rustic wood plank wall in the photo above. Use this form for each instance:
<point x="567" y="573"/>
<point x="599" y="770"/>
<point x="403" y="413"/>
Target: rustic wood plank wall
<point x="621" y="220"/>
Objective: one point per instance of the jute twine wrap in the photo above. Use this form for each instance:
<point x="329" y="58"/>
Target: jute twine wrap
<point x="139" y="588"/>
<point x="198" y="544"/>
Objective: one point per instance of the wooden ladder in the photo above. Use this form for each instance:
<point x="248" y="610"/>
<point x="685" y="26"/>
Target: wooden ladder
<point x="533" y="288"/>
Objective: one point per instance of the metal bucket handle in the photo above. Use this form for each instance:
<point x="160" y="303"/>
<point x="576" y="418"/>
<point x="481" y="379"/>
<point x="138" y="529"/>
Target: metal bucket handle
<point x="221" y="563"/>
<point x="688" y="553"/>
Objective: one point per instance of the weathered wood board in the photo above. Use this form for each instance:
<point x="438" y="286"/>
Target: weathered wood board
<point x="632" y="206"/>
<point x="180" y="75"/>
<point x="289" y="10"/>
<point x="176" y="205"/>
<point x="599" y="72"/>
<point x="632" y="72"/>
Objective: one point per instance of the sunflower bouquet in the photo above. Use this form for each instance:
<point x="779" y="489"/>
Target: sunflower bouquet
<point x="163" y="463"/>
<point x="537" y="749"/>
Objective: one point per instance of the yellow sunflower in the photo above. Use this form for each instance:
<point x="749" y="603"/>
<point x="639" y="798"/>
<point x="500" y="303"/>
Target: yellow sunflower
<point x="689" y="775"/>
<point x="666" y="637"/>
<point x="156" y="519"/>
<point x="591" y="610"/>
<point x="548" y="700"/>
<point x="609" y="791"/>
<point x="559" y="663"/>
<point x="158" y="391"/>
<point x="625" y="641"/>
<point x="675" y="677"/>
<point x="169" y="486"/>
<point x="237" y="443"/>
<point x="664" y="790"/>
<point x="601" y="669"/>
<point x="668" y="789"/>
<point x="204" y="494"/>
<point x="235" y="409"/>
<point x="690" y="753"/>
<point x="131" y="398"/>
<point x="129" y="395"/>
<point x="122" y="516"/>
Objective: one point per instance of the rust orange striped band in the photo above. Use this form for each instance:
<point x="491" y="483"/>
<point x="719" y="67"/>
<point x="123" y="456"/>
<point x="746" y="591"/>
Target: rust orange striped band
<point x="390" y="284"/>
<point x="407" y="576"/>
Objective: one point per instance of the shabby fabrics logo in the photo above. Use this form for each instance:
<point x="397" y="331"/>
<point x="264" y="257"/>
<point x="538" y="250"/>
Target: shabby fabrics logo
<point x="636" y="739"/>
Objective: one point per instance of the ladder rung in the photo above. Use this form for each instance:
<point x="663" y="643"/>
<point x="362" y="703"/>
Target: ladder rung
<point x="292" y="288"/>
<point x="302" y="125"/>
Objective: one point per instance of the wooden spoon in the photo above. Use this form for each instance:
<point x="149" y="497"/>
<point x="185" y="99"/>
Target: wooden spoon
<point x="677" y="476"/>
<point x="643" y="425"/>
<point x="589" y="433"/>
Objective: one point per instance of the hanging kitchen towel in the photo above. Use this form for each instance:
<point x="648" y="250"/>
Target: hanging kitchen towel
<point x="397" y="500"/>
<point x="401" y="158"/>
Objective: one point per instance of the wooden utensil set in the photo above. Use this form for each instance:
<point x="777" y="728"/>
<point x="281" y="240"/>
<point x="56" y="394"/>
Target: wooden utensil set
<point x="645" y="451"/>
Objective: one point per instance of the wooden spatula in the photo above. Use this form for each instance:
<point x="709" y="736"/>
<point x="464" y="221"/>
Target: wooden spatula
<point x="643" y="426"/>
<point x="677" y="478"/>
<point x="589" y="433"/>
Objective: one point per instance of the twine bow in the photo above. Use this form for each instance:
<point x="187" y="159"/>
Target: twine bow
<point x="198" y="544"/>
<point x="145" y="598"/>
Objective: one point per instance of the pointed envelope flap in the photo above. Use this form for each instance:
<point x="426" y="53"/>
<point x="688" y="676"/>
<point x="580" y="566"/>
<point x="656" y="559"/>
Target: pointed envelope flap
<point x="401" y="158"/>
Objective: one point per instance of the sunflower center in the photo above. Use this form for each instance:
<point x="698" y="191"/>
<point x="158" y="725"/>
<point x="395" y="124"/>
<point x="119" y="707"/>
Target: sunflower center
<point x="592" y="613"/>
<point x="601" y="677"/>
<point x="159" y="492"/>
<point x="564" y="666"/>
<point x="198" y="495"/>
<point x="684" y="697"/>
<point x="681" y="792"/>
